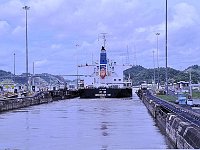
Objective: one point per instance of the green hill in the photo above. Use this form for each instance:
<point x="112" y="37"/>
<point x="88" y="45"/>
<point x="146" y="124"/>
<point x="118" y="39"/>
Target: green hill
<point x="194" y="68"/>
<point x="139" y="74"/>
<point x="4" y="73"/>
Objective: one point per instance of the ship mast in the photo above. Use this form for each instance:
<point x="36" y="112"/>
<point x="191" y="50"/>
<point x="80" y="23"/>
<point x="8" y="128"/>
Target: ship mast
<point x="104" y="39"/>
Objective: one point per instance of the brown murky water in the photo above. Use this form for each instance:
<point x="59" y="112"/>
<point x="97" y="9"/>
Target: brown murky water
<point x="97" y="124"/>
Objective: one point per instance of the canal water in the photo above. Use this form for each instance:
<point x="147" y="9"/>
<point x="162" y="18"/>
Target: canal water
<point x="97" y="124"/>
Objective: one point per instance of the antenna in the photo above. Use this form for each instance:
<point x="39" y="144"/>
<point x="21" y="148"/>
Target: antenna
<point x="92" y="59"/>
<point x="127" y="56"/>
<point x="135" y="56"/>
<point x="104" y="38"/>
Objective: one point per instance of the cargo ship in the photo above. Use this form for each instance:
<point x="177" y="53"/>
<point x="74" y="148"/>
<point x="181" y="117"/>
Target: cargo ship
<point x="106" y="80"/>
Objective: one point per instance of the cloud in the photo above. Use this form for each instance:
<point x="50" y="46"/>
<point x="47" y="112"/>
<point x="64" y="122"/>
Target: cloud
<point x="40" y="63"/>
<point x="183" y="20"/>
<point x="56" y="46"/>
<point x="185" y="15"/>
<point x="10" y="9"/>
<point x="18" y="30"/>
<point x="55" y="27"/>
<point x="4" y="27"/>
<point x="45" y="8"/>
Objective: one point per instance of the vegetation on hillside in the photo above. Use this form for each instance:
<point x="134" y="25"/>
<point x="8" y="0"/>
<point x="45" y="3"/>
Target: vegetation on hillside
<point x="139" y="74"/>
<point x="4" y="73"/>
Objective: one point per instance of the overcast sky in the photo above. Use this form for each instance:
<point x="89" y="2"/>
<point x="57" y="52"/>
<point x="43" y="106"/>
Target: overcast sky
<point x="56" y="27"/>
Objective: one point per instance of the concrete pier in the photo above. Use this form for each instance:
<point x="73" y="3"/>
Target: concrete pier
<point x="37" y="99"/>
<point x="181" y="125"/>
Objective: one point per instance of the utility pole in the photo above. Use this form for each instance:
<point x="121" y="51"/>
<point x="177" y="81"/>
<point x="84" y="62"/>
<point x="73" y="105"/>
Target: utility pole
<point x="157" y="34"/>
<point x="166" y="72"/>
<point x="26" y="8"/>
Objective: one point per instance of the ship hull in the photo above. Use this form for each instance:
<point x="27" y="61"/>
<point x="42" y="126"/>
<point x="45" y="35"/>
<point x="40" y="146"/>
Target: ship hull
<point x="105" y="93"/>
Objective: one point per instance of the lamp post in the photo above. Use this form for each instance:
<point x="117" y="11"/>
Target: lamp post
<point x="154" y="72"/>
<point x="190" y="83"/>
<point x="33" y="68"/>
<point x="77" y="77"/>
<point x="26" y="8"/>
<point x="166" y="72"/>
<point x="157" y="34"/>
<point x="33" y="82"/>
<point x="14" y="67"/>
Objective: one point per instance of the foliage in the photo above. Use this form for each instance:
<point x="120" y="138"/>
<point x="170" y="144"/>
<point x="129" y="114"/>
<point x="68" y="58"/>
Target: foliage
<point x="139" y="74"/>
<point x="4" y="73"/>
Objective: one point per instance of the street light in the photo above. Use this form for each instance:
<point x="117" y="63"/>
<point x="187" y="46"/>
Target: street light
<point x="14" y="67"/>
<point x="166" y="72"/>
<point x="157" y="34"/>
<point x="154" y="72"/>
<point x="33" y="68"/>
<point x="190" y="83"/>
<point x="26" y="8"/>
<point x="33" y="82"/>
<point x="77" y="45"/>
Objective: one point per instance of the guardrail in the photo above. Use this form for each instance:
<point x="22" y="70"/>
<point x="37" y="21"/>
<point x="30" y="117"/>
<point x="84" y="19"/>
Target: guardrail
<point x="186" y="113"/>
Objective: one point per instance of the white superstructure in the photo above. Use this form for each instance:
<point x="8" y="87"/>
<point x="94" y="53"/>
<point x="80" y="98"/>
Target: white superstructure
<point x="106" y="73"/>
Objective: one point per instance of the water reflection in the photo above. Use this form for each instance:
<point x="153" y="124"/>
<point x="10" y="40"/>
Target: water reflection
<point x="81" y="124"/>
<point x="104" y="147"/>
<point x="104" y="131"/>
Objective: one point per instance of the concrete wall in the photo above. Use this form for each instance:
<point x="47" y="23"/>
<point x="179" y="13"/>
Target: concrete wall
<point x="182" y="133"/>
<point x="10" y="104"/>
<point x="37" y="99"/>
